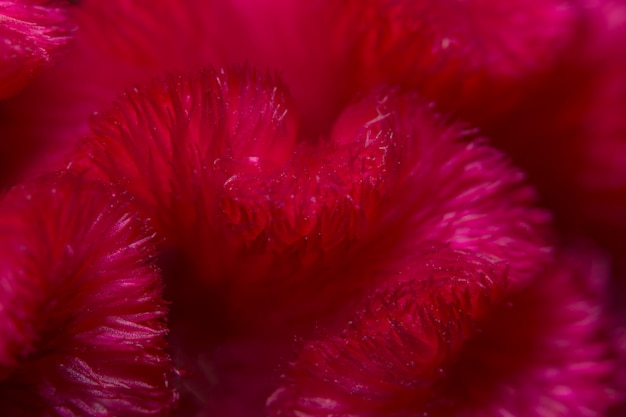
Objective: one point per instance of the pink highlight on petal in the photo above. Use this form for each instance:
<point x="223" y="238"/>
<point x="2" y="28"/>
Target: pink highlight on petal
<point x="82" y="318"/>
<point x="549" y="350"/>
<point x="450" y="187"/>
<point x="30" y="32"/>
<point x="538" y="351"/>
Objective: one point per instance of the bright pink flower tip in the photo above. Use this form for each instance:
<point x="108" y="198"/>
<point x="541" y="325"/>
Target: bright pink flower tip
<point x="458" y="53"/>
<point x="445" y="340"/>
<point x="30" y="32"/>
<point x="82" y="329"/>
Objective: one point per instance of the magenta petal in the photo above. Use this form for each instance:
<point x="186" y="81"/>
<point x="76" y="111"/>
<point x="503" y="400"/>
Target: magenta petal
<point x="448" y="186"/>
<point x="82" y="318"/>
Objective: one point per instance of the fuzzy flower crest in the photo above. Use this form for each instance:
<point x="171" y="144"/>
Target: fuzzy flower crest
<point x="81" y="313"/>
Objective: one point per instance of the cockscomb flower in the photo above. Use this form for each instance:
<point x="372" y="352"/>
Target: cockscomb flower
<point x="446" y="340"/>
<point x="81" y="315"/>
<point x="342" y="219"/>
<point x="218" y="162"/>
<point x="268" y="228"/>
<point x="30" y="32"/>
<point x="530" y="74"/>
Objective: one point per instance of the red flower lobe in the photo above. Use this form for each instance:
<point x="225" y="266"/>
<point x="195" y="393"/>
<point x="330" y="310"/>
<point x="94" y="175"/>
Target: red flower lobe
<point x="444" y="341"/>
<point x="82" y="315"/>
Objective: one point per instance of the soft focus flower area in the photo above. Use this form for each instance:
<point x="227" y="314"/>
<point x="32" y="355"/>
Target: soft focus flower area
<point x="330" y="208"/>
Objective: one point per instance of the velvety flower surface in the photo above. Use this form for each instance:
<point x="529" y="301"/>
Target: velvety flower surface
<point x="389" y="356"/>
<point x="544" y="80"/>
<point x="271" y="229"/>
<point x="218" y="162"/>
<point x="334" y="236"/>
<point x="31" y="33"/>
<point x="30" y="30"/>
<point x="53" y="114"/>
<point x="81" y="313"/>
<point x="508" y="67"/>
<point x="446" y="340"/>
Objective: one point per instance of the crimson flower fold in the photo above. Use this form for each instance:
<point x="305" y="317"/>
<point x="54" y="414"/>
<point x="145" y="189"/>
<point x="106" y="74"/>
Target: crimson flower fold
<point x="81" y="314"/>
<point x="447" y="338"/>
<point x="334" y="234"/>
<point x="269" y="228"/>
